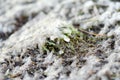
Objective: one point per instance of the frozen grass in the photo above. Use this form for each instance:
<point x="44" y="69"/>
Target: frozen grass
<point x="73" y="43"/>
<point x="66" y="40"/>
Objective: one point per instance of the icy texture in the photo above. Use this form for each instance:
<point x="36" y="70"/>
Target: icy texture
<point x="19" y="58"/>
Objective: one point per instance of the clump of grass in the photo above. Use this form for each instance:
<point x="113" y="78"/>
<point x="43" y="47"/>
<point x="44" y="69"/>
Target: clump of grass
<point x="80" y="43"/>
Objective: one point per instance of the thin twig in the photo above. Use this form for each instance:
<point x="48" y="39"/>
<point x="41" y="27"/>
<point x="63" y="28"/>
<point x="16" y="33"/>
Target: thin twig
<point x="94" y="34"/>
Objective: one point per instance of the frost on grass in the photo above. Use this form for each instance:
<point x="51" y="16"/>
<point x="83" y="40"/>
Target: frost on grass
<point x="39" y="47"/>
<point x="21" y="54"/>
<point x="11" y="58"/>
<point x="72" y="43"/>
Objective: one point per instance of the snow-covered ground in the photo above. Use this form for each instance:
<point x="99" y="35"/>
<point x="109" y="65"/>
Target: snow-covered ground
<point x="26" y="24"/>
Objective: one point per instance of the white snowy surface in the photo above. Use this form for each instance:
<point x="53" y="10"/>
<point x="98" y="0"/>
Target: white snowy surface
<point x="51" y="15"/>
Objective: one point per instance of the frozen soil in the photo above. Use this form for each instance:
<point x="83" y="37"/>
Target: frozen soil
<point x="59" y="40"/>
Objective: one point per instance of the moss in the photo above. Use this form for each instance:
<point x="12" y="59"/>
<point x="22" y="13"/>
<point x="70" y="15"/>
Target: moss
<point x="80" y="43"/>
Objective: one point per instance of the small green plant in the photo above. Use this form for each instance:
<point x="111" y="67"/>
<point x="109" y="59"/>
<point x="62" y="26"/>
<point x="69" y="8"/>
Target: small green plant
<point x="80" y="43"/>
